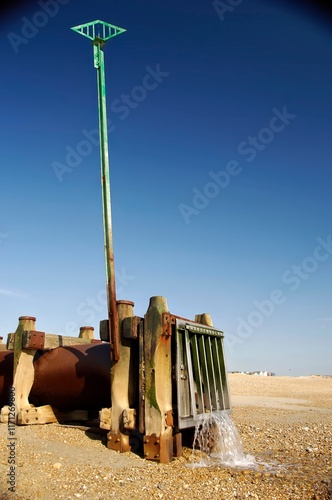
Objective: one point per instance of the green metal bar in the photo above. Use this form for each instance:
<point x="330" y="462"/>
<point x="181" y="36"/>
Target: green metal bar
<point x="197" y="374"/>
<point x="211" y="372"/>
<point x="205" y="373"/>
<point x="98" y="55"/>
<point x="227" y="402"/>
<point x="191" y="374"/>
<point x="184" y="403"/>
<point x="221" y="405"/>
<point x="106" y="197"/>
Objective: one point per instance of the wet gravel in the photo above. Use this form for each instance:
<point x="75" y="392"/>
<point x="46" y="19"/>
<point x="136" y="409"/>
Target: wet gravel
<point x="291" y="443"/>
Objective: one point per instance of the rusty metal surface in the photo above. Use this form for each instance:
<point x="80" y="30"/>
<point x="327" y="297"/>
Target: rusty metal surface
<point x="73" y="378"/>
<point x="167" y="324"/>
<point x="113" y="321"/>
<point x="118" y="442"/>
<point x="168" y="321"/>
<point x="169" y="418"/>
<point x="33" y="340"/>
<point x="114" y="441"/>
<point x="152" y="447"/>
<point x="141" y="379"/>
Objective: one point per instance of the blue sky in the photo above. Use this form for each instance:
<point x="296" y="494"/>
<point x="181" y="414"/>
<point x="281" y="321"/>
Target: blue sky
<point x="220" y="148"/>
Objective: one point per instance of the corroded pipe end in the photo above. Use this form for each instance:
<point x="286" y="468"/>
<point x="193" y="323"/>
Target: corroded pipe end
<point x="27" y="318"/>
<point x="125" y="302"/>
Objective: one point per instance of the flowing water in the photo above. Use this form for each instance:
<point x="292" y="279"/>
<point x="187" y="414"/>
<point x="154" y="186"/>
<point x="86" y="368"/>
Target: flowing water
<point x="219" y="443"/>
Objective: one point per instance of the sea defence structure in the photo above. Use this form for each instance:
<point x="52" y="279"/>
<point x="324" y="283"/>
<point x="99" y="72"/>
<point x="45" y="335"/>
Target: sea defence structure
<point x="170" y="372"/>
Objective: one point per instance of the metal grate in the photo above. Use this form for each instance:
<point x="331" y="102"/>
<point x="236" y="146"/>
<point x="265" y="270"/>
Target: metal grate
<point x="201" y="375"/>
<point x="98" y="29"/>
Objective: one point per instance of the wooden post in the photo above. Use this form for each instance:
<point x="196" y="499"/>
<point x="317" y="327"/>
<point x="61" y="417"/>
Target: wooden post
<point x="204" y="319"/>
<point x="158" y="440"/>
<point x="118" y="438"/>
<point x="87" y="332"/>
<point x="2" y="345"/>
<point x="24" y="373"/>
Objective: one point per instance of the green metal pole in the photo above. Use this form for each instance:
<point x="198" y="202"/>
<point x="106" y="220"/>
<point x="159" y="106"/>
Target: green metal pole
<point x="99" y="32"/>
<point x="106" y="197"/>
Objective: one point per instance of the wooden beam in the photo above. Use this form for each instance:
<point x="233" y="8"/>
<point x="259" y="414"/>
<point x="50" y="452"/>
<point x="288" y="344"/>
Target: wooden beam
<point x="44" y="415"/>
<point x="51" y="340"/>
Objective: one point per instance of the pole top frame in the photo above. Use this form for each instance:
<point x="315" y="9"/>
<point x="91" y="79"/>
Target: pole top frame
<point x="98" y="31"/>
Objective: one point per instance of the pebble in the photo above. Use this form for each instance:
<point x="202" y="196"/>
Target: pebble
<point x="297" y="465"/>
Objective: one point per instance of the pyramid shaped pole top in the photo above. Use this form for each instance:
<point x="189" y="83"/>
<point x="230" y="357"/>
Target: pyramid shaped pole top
<point x="98" y="30"/>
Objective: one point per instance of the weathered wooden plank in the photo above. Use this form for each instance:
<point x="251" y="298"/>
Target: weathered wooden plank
<point x="3" y="346"/>
<point x="45" y="415"/>
<point x="105" y="418"/>
<point x="48" y="415"/>
<point x="51" y="340"/>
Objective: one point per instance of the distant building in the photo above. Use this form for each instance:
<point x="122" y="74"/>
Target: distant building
<point x="261" y="373"/>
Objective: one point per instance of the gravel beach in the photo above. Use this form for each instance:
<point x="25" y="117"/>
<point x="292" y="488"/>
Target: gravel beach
<point x="285" y="423"/>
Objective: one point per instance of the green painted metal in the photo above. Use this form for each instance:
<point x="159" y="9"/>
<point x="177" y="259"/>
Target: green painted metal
<point x="200" y="372"/>
<point x="99" y="32"/>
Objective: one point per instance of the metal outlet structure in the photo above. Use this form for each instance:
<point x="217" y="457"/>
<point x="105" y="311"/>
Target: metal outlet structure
<point x="170" y="374"/>
<point x="201" y="377"/>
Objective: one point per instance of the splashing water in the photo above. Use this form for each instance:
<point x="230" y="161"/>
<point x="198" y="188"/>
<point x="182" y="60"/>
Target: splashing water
<point x="219" y="442"/>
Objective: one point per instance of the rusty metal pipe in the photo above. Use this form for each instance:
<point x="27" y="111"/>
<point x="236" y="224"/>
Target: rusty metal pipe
<point x="68" y="378"/>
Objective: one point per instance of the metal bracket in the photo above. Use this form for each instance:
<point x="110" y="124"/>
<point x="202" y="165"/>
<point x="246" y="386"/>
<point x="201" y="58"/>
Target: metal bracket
<point x="118" y="442"/>
<point x="114" y="441"/>
<point x="33" y="340"/>
<point x="152" y="447"/>
<point x="168" y="320"/>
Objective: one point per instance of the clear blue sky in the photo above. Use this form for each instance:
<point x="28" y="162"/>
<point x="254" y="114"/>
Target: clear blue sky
<point x="220" y="150"/>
